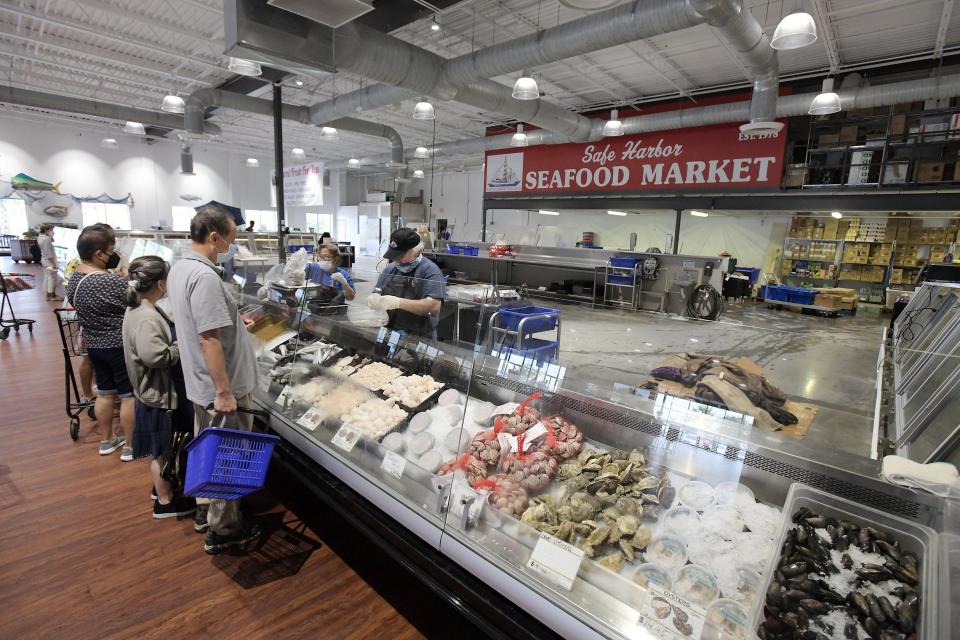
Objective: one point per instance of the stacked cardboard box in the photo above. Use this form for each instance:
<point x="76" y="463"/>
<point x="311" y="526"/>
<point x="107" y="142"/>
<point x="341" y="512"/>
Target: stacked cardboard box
<point x="880" y="254"/>
<point x="853" y="229"/>
<point x="848" y="297"/>
<point x="856" y="253"/>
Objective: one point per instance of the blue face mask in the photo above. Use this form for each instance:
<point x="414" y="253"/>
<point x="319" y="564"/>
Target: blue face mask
<point x="410" y="266"/>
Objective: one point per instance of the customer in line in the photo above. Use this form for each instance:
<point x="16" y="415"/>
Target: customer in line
<point x="335" y="282"/>
<point x="48" y="260"/>
<point x="153" y="364"/>
<point x="99" y="298"/>
<point x="218" y="358"/>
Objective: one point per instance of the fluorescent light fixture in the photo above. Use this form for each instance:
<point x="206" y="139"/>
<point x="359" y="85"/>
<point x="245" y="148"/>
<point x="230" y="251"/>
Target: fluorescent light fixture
<point x="329" y="134"/>
<point x="135" y="128"/>
<point x="519" y="139"/>
<point x="699" y="214"/>
<point x="172" y="104"/>
<point x="353" y="162"/>
<point x="298" y="153"/>
<point x="418" y="173"/>
<point x="544" y="212"/>
<point x="795" y="31"/>
<point x="434" y="25"/>
<point x="253" y="162"/>
<point x="525" y="88"/>
<point x="761" y="128"/>
<point x="613" y="126"/>
<point x="827" y="102"/>
<point x="299" y="83"/>
<point x="617" y="213"/>
<point x="836" y="214"/>
<point x="423" y="111"/>
<point x="243" y="67"/>
<point x="109" y="143"/>
<point x="421" y="152"/>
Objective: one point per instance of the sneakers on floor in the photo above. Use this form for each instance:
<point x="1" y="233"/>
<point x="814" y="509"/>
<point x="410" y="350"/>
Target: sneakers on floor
<point x="200" y="524"/>
<point x="109" y="446"/>
<point x="215" y="543"/>
<point x="126" y="455"/>
<point x="153" y="493"/>
<point x="179" y="506"/>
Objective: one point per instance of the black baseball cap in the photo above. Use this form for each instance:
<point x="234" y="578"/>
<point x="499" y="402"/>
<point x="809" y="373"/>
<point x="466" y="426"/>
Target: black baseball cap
<point x="401" y="241"/>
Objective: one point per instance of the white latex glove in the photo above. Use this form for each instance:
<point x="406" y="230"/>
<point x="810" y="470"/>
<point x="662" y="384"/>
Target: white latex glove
<point x="336" y="276"/>
<point x="389" y="303"/>
<point x="373" y="301"/>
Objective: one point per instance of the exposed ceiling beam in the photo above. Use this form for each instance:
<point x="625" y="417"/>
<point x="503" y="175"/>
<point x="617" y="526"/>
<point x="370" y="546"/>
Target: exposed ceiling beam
<point x="216" y="43"/>
<point x="822" y="15"/>
<point x="664" y="66"/>
<point x="943" y="28"/>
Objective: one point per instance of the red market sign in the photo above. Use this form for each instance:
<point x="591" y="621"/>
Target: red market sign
<point x="714" y="158"/>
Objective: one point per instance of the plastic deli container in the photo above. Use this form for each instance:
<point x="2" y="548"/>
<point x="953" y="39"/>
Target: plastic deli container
<point x="696" y="494"/>
<point x="728" y="620"/>
<point x="734" y="493"/>
<point x="697" y="584"/>
<point x="912" y="536"/>
<point x="681" y="521"/>
<point x="670" y="552"/>
<point x="653" y="573"/>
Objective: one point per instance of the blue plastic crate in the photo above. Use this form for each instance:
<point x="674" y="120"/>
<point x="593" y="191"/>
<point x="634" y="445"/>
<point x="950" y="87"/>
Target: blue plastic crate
<point x="624" y="262"/>
<point x="777" y="293"/>
<point x="802" y="296"/>
<point x="455" y="250"/>
<point x="539" y="351"/>
<point x="619" y="279"/>
<point x="470" y="251"/>
<point x="227" y="463"/>
<point x="293" y="248"/>
<point x="511" y="316"/>
<point x="752" y="272"/>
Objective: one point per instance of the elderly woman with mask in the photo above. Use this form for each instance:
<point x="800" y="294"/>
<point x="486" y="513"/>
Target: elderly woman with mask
<point x="335" y="282"/>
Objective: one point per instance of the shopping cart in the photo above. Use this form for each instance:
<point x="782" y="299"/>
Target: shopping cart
<point x="11" y="283"/>
<point x="72" y="348"/>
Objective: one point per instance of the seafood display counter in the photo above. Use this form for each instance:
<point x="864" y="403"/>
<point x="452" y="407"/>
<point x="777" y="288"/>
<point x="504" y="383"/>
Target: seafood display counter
<point x="606" y="514"/>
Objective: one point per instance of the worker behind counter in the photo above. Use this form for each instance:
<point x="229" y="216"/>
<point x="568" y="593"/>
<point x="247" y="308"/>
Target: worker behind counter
<point x="410" y="289"/>
<point x="335" y="282"/>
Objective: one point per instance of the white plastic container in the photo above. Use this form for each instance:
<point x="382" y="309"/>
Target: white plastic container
<point x="696" y="494"/>
<point x="697" y="584"/>
<point x="668" y="551"/>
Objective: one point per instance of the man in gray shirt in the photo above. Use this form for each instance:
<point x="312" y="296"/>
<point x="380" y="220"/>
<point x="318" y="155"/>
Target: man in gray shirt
<point x="48" y="258"/>
<point x="217" y="354"/>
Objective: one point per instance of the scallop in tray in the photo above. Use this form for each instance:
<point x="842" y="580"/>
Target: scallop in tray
<point x="375" y="418"/>
<point x="412" y="391"/>
<point x="845" y="570"/>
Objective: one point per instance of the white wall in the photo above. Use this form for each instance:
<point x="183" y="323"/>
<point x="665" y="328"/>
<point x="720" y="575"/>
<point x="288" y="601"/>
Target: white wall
<point x="53" y="152"/>
<point x="755" y="240"/>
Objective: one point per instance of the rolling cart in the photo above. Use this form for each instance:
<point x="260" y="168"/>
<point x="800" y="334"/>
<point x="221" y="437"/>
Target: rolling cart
<point x="512" y="329"/>
<point x="72" y="348"/>
<point x="7" y="284"/>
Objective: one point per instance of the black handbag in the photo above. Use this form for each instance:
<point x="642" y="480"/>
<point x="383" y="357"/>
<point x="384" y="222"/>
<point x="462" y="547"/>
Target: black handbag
<point x="174" y="469"/>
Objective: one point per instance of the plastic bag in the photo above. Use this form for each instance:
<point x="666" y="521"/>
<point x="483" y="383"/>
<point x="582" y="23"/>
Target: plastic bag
<point x="361" y="315"/>
<point x="275" y="274"/>
<point x="295" y="270"/>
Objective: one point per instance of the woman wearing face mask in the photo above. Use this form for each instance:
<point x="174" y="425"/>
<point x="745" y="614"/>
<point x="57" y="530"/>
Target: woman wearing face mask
<point x="335" y="282"/>
<point x="99" y="298"/>
<point x="153" y="364"/>
<point x="410" y="289"/>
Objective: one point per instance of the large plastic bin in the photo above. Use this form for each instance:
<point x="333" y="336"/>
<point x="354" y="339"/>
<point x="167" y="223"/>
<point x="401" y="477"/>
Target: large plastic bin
<point x="913" y="536"/>
<point x="539" y="351"/>
<point x="511" y="316"/>
<point x="802" y="296"/>
<point x="776" y="293"/>
<point x="470" y="251"/>
<point x="453" y="249"/>
<point x="624" y="262"/>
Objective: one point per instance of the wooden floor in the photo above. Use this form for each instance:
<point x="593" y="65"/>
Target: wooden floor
<point x="81" y="556"/>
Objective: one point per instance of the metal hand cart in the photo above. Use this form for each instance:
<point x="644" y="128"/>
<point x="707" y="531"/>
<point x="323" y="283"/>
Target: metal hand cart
<point x="72" y="348"/>
<point x="511" y="332"/>
<point x="13" y="322"/>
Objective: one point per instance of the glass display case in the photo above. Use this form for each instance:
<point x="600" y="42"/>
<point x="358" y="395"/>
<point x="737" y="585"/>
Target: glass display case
<point x="605" y="508"/>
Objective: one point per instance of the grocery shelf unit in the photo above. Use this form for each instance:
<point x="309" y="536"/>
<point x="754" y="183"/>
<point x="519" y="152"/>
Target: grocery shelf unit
<point x="838" y="263"/>
<point x="811" y="263"/>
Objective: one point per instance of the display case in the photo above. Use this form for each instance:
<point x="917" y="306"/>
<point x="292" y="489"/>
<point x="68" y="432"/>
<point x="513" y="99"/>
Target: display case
<point x="603" y="508"/>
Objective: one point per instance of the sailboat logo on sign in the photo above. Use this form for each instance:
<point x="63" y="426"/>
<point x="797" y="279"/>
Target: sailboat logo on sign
<point x="504" y="172"/>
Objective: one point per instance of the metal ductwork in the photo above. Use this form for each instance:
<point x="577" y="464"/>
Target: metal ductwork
<point x="39" y="100"/>
<point x="787" y="106"/>
<point x="186" y="159"/>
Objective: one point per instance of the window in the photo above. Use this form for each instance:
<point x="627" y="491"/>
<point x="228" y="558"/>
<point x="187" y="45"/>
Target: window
<point x="181" y="217"/>
<point x="13" y="217"/>
<point x="319" y="222"/>
<point x="115" y="215"/>
<point x="266" y="220"/>
<point x="342" y="229"/>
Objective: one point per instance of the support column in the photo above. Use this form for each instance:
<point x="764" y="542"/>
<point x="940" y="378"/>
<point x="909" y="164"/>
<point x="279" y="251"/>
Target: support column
<point x="676" y="233"/>
<point x="278" y="169"/>
<point x="483" y="224"/>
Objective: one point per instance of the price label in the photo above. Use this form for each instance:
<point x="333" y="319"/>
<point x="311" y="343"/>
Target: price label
<point x="393" y="463"/>
<point x="508" y="443"/>
<point x="345" y="438"/>
<point x="555" y="560"/>
<point x="282" y="396"/>
<point x="312" y="418"/>
<point x="670" y="616"/>
<point x="505" y="409"/>
<point x="536" y="431"/>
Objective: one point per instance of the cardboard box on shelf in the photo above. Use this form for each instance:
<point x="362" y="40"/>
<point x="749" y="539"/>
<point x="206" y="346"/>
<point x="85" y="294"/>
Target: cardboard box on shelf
<point x="828" y="300"/>
<point x="848" y="134"/>
<point x="895" y="172"/>
<point x="828" y="140"/>
<point x="796" y="175"/>
<point x="896" y="276"/>
<point x="861" y="113"/>
<point x="898" y="124"/>
<point x="928" y="171"/>
<point x="830" y="228"/>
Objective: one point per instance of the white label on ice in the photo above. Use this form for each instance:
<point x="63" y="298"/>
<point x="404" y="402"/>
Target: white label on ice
<point x="345" y="438"/>
<point x="536" y="431"/>
<point x="555" y="560"/>
<point x="311" y="419"/>
<point x="670" y="616"/>
<point x="508" y="443"/>
<point x="505" y="409"/>
<point x="282" y="396"/>
<point x="393" y="463"/>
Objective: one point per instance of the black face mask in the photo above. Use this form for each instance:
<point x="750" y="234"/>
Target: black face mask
<point x="113" y="261"/>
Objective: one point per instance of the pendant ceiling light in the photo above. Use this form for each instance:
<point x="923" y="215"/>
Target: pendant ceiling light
<point x="253" y="162"/>
<point x="613" y="126"/>
<point x="795" y="31"/>
<point x="617" y="213"/>
<point x="827" y="102"/>
<point x="135" y="128"/>
<point x="172" y="104"/>
<point x="699" y="214"/>
<point x="243" y="67"/>
<point x="519" y="139"/>
<point x="434" y="25"/>
<point x="544" y="212"/>
<point x="421" y="152"/>
<point x="423" y="111"/>
<point x="109" y="143"/>
<point x="329" y="134"/>
<point x="298" y="153"/>
<point x="525" y="88"/>
<point x="418" y="173"/>
<point x="836" y="214"/>
<point x="353" y="162"/>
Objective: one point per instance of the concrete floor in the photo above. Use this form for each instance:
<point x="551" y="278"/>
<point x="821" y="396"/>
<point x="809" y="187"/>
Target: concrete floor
<point x="824" y="362"/>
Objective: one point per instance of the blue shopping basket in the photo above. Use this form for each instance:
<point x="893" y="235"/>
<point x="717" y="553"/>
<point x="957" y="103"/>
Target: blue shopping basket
<point x="227" y="464"/>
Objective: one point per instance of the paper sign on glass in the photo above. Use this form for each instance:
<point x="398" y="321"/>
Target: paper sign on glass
<point x="555" y="560"/>
<point x="282" y="396"/>
<point x="345" y="438"/>
<point x="311" y="419"/>
<point x="670" y="616"/>
<point x="393" y="463"/>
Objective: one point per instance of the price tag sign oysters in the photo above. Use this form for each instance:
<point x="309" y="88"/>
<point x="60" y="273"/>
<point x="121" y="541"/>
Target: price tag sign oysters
<point x="555" y="560"/>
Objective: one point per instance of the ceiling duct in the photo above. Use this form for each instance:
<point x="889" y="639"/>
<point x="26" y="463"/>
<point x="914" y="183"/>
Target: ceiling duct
<point x="332" y="13"/>
<point x="186" y="159"/>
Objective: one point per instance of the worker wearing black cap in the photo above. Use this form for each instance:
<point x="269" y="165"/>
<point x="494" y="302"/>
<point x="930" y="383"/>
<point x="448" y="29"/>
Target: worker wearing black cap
<point x="410" y="288"/>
